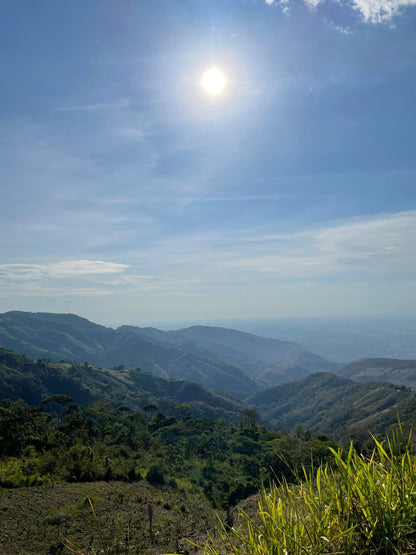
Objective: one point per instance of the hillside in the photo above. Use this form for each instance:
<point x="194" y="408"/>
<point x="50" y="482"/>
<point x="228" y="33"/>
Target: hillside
<point x="239" y="345"/>
<point x="69" y="337"/>
<point x="233" y="361"/>
<point x="33" y="381"/>
<point x="120" y="518"/>
<point x="270" y="361"/>
<point x="334" y="405"/>
<point x="402" y="372"/>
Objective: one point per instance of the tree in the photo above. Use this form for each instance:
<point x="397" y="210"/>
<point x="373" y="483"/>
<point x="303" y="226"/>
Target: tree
<point x="57" y="401"/>
<point x="248" y="417"/>
<point x="184" y="411"/>
<point x="150" y="409"/>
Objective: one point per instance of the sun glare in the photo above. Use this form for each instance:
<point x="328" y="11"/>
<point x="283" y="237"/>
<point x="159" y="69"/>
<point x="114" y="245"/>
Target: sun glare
<point x="213" y="81"/>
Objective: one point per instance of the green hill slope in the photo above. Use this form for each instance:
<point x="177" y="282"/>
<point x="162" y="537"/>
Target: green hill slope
<point x="330" y="404"/>
<point x="33" y="381"/>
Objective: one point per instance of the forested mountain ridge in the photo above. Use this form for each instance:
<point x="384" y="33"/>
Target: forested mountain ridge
<point x="322" y="402"/>
<point x="402" y="372"/>
<point x="33" y="381"/>
<point x="331" y="404"/>
<point x="234" y="344"/>
<point x="219" y="358"/>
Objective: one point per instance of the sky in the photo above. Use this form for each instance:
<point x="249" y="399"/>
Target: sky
<point x="128" y="194"/>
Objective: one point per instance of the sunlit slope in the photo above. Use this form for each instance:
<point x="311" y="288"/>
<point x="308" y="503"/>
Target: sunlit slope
<point x="402" y="372"/>
<point x="330" y="404"/>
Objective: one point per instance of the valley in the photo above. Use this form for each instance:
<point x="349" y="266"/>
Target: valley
<point x="129" y="457"/>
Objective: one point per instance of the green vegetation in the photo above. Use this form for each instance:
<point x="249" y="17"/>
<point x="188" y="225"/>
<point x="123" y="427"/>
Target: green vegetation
<point x="363" y="505"/>
<point x="333" y="405"/>
<point x="225" y="463"/>
<point x="323" y="403"/>
<point x="152" y="468"/>
<point x="193" y="465"/>
<point x="114" y="481"/>
<point x="49" y="383"/>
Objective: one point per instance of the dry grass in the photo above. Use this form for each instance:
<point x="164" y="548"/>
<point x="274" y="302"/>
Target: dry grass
<point x="101" y="517"/>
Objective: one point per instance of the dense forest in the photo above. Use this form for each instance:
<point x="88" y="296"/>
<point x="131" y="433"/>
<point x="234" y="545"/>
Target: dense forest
<point x="79" y="444"/>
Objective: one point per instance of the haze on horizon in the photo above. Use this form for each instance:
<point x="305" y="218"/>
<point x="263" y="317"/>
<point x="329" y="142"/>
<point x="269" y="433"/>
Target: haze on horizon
<point x="128" y="194"/>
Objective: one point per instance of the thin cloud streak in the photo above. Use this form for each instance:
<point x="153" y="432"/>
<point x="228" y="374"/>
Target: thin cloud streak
<point x="362" y="248"/>
<point x="121" y="103"/>
<point x="62" y="269"/>
<point x="378" y="244"/>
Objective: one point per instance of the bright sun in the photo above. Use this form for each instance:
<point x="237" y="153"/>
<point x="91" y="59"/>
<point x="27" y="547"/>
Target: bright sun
<point x="213" y="81"/>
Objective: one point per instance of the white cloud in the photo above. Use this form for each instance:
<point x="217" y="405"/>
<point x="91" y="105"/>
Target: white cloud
<point x="71" y="278"/>
<point x="378" y="245"/>
<point x="313" y="3"/>
<point x="62" y="269"/>
<point x="369" y="249"/>
<point x="88" y="292"/>
<point x="381" y="11"/>
<point x="372" y="11"/>
<point x="342" y="30"/>
<point x="220" y="264"/>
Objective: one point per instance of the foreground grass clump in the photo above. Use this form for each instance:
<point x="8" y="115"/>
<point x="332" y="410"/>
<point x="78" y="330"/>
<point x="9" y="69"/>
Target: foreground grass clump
<point x="360" y="505"/>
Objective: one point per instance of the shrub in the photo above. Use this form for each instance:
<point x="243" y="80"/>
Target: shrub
<point x="155" y="475"/>
<point x="362" y="505"/>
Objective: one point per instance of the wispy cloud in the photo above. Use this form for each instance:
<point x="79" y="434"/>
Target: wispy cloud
<point x="381" y="11"/>
<point x="313" y="3"/>
<point x="74" y="278"/>
<point x="372" y="11"/>
<point x="215" y="268"/>
<point x="116" y="104"/>
<point x="62" y="269"/>
<point x="367" y="248"/>
<point x="39" y="289"/>
<point x="377" y="244"/>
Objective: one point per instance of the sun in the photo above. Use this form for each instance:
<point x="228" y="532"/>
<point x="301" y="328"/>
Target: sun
<point x="213" y="81"/>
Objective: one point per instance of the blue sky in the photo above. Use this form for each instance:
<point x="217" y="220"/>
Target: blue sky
<point x="130" y="195"/>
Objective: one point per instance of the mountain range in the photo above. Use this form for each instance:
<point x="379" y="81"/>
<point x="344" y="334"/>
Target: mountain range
<point x="218" y="372"/>
<point x="233" y="361"/>
<point x="322" y="402"/>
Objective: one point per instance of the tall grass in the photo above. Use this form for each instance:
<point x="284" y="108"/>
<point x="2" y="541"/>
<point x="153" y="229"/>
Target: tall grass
<point x="364" y="505"/>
